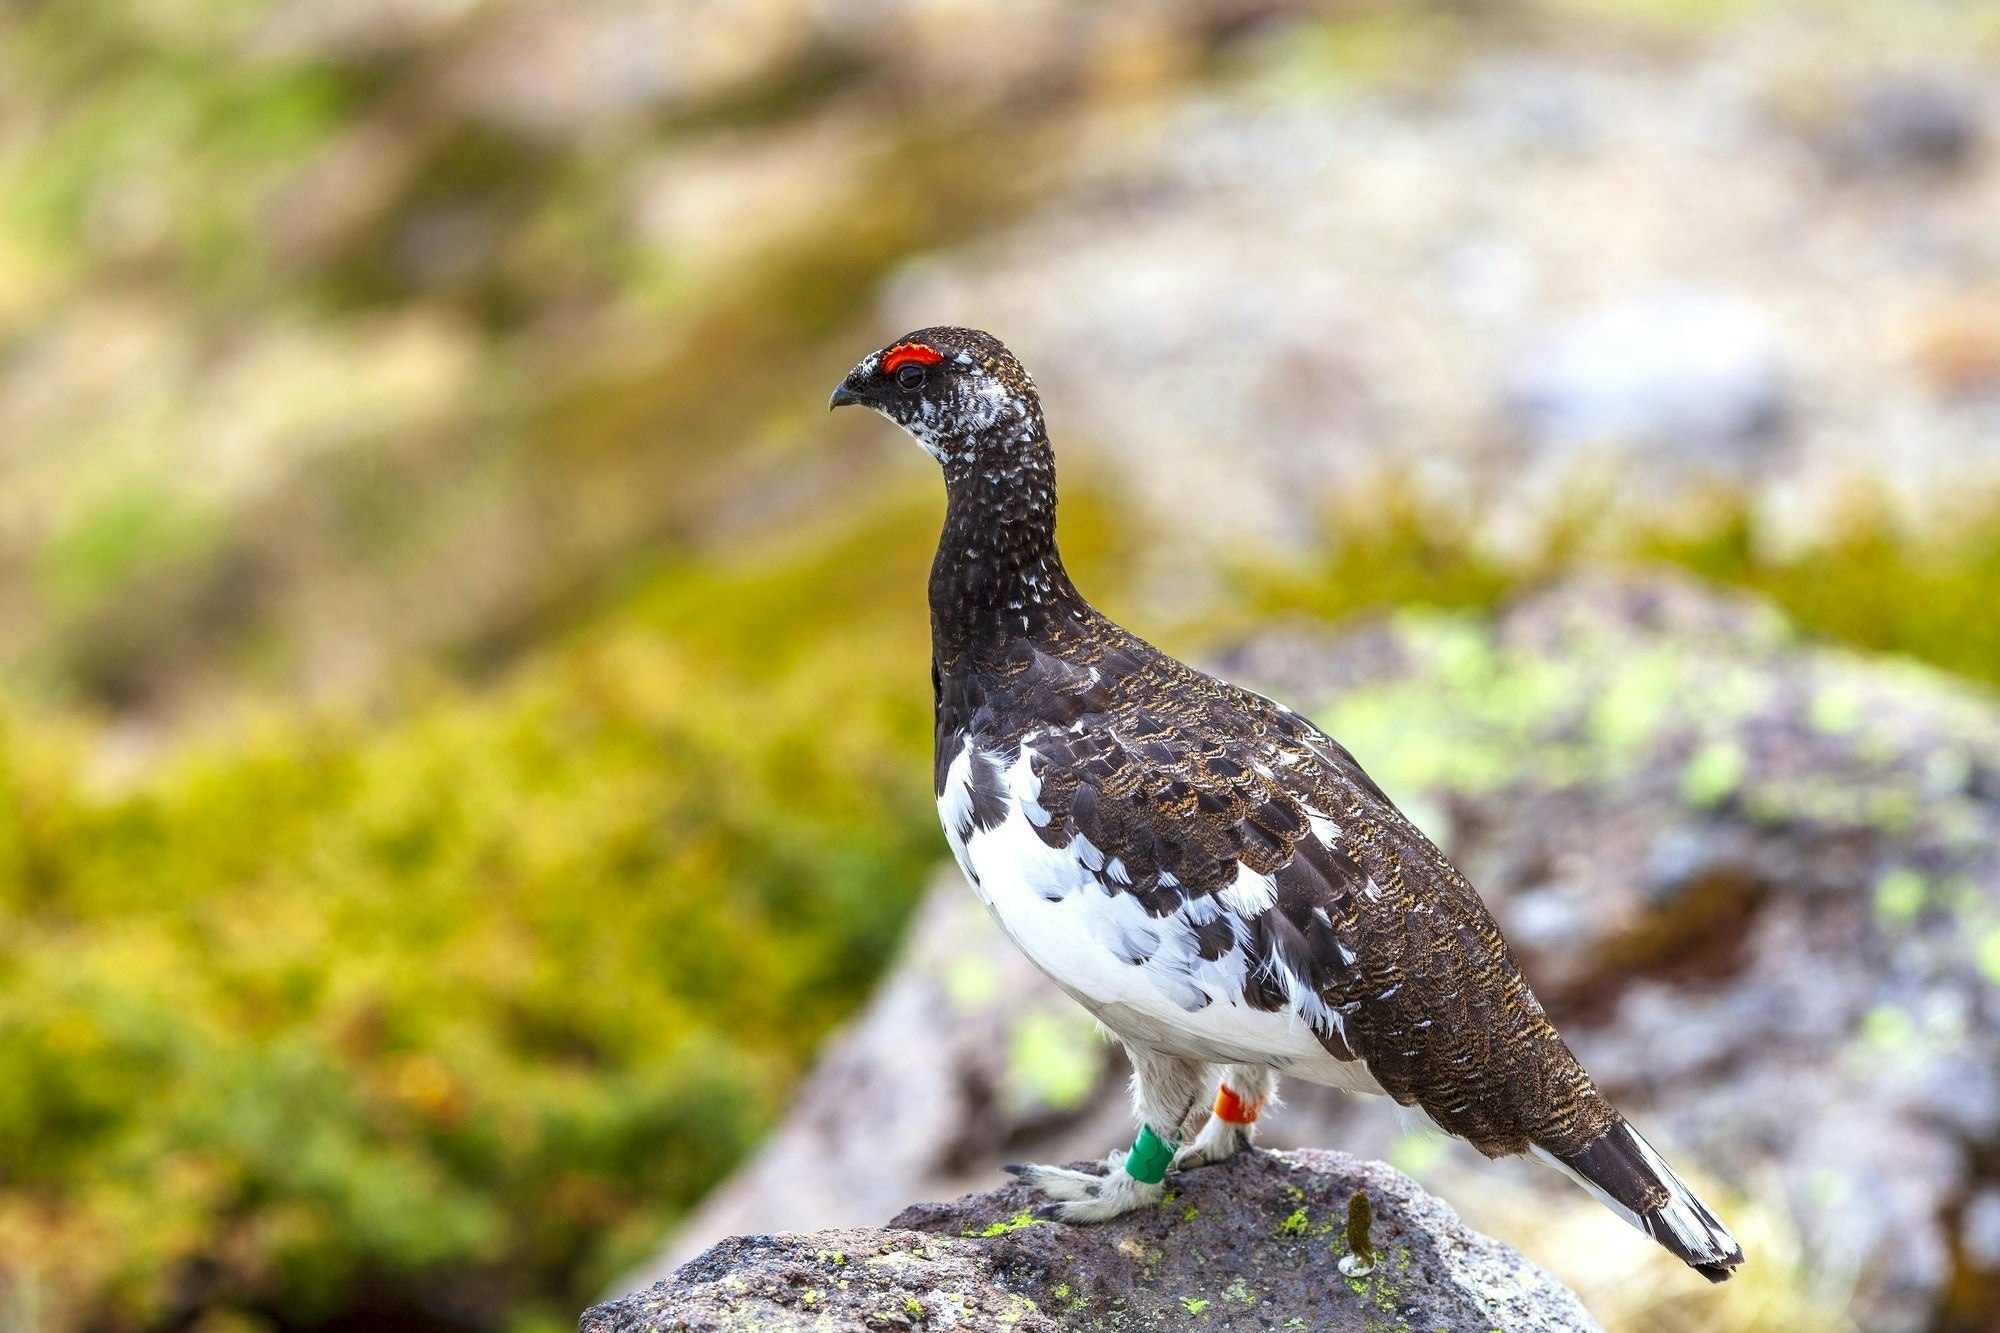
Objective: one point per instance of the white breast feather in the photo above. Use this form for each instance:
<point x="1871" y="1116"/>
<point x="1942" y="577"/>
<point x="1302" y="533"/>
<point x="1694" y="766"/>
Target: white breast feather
<point x="1051" y="904"/>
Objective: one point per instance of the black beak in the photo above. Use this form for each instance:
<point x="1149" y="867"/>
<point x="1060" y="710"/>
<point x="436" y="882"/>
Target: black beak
<point x="842" y="396"/>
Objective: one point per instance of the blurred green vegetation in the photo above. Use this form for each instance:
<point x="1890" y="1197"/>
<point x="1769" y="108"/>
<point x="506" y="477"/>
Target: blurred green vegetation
<point x="493" y="984"/>
<point x="1872" y="584"/>
<point x="1875" y="586"/>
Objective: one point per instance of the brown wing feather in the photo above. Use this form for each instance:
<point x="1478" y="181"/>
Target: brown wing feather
<point x="1446" y="1021"/>
<point x="1180" y="777"/>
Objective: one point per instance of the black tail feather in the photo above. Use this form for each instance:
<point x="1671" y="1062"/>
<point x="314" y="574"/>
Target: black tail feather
<point x="1624" y="1172"/>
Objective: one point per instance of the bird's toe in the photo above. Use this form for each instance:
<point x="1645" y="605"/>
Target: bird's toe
<point x="1112" y="1196"/>
<point x="1056" y="1182"/>
<point x="1080" y="1197"/>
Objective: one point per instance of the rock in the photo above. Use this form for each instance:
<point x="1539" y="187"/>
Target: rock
<point x="1754" y="880"/>
<point x="1256" y="1243"/>
<point x="1676" y="369"/>
<point x="1925" y="124"/>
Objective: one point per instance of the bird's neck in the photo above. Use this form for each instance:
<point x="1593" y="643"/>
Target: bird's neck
<point x="998" y="579"/>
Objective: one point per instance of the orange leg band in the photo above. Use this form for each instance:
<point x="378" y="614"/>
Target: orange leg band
<point x="1230" y="1107"/>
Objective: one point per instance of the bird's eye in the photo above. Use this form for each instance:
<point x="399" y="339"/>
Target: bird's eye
<point x="910" y="376"/>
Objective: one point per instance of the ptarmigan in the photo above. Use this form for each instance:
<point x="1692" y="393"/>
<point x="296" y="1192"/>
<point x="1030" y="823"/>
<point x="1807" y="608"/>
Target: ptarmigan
<point x="1203" y="869"/>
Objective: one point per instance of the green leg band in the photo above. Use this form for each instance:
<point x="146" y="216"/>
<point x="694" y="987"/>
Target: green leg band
<point x="1147" y="1162"/>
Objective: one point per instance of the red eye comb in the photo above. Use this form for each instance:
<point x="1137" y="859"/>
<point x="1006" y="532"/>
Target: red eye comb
<point x="905" y="354"/>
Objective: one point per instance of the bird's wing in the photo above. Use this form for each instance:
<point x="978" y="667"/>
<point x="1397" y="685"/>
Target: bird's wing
<point x="1347" y="914"/>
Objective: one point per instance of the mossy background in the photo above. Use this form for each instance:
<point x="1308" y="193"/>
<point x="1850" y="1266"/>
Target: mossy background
<point x="464" y="726"/>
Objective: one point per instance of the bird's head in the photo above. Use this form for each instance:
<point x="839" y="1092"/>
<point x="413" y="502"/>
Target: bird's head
<point x="958" y="392"/>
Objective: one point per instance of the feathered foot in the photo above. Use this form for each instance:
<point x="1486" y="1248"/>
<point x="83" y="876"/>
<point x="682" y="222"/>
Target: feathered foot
<point x="1165" y="1089"/>
<point x="1232" y="1125"/>
<point x="1082" y="1198"/>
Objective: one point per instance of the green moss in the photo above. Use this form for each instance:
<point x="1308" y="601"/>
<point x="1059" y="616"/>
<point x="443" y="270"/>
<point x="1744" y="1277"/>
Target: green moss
<point x="123" y="536"/>
<point x="122" y="95"/>
<point x="971" y="981"/>
<point x="1667" y="14"/>
<point x="1360" y="1219"/>
<point x="498" y="981"/>
<point x="1627" y="715"/>
<point x="1899" y="897"/>
<point x="1394" y="555"/>
<point x="1872" y="584"/>
<point x="1887" y="1028"/>
<point x="1988" y="955"/>
<point x="1054" y="1059"/>
<point x="1836" y="710"/>
<point x="1024" y="1218"/>
<point x="1417" y="1152"/>
<point x="1714" y="774"/>
<point x="1295" y="1225"/>
<point x="1338" y="55"/>
<point x="1194" y="1304"/>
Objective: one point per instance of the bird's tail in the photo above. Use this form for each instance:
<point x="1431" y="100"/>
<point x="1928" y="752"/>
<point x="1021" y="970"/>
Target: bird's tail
<point x="1628" y="1177"/>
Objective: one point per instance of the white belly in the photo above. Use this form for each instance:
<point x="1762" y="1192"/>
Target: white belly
<point x="1142" y="976"/>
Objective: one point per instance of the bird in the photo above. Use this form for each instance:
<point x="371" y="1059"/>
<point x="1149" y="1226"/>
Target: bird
<point x="1211" y="875"/>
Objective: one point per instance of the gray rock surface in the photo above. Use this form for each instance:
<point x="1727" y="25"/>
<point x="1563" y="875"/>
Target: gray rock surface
<point x="1757" y="882"/>
<point x="1252" y="1244"/>
<point x="1679" y="370"/>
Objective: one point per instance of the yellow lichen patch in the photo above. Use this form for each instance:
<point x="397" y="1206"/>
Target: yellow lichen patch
<point x="1021" y="1219"/>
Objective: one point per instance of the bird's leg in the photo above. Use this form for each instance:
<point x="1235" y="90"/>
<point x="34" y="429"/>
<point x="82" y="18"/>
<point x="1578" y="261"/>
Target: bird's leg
<point x="1246" y="1090"/>
<point x="1165" y="1089"/>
